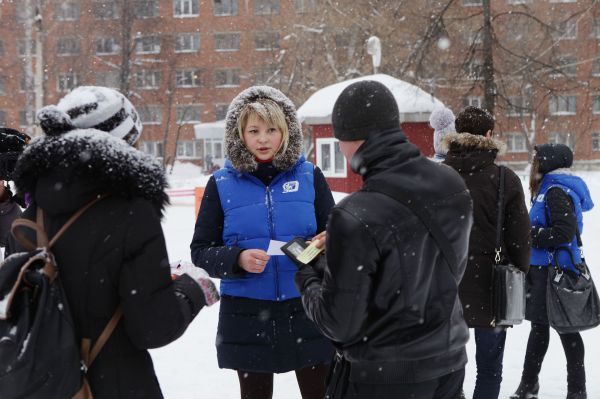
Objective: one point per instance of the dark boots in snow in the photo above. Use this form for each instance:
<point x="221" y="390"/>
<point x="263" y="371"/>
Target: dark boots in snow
<point x="526" y="391"/>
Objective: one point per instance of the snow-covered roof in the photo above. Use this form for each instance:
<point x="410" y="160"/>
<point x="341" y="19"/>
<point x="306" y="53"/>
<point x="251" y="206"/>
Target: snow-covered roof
<point x="210" y="130"/>
<point x="415" y="104"/>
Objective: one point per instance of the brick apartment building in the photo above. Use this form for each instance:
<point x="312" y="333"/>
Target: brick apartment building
<point x="186" y="59"/>
<point x="182" y="61"/>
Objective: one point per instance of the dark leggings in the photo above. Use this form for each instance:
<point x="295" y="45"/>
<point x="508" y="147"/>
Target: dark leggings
<point x="537" y="345"/>
<point x="311" y="381"/>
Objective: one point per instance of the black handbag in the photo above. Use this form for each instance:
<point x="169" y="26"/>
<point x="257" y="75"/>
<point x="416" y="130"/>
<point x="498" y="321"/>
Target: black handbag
<point x="571" y="300"/>
<point x="508" y="289"/>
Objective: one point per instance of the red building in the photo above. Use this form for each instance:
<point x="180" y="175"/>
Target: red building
<point x="415" y="106"/>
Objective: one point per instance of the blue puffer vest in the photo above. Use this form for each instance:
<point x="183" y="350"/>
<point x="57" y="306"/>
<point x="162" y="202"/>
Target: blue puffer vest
<point x="576" y="188"/>
<point x="256" y="214"/>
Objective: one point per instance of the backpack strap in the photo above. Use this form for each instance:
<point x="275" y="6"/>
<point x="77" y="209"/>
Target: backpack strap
<point x="89" y="352"/>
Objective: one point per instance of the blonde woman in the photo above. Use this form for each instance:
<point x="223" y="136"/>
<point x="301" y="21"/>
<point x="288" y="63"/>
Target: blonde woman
<point x="266" y="191"/>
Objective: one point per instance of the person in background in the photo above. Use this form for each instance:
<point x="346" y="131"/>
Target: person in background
<point x="12" y="143"/>
<point x="558" y="200"/>
<point x="114" y="255"/>
<point x="442" y="122"/>
<point x="266" y="191"/>
<point x="388" y="294"/>
<point x="472" y="151"/>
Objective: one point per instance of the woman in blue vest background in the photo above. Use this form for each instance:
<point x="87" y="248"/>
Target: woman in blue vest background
<point x="266" y="191"/>
<point x="558" y="200"/>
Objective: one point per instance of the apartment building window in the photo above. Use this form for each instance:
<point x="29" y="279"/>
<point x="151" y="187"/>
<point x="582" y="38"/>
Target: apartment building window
<point x="2" y="85"/>
<point x="221" y="111"/>
<point x="66" y="82"/>
<point x="264" y="41"/>
<point x="147" y="45"/>
<point x="265" y="75"/>
<point x="519" y="1"/>
<point x="227" y="77"/>
<point x="565" y="30"/>
<point x="595" y="139"/>
<point x="563" y="1"/>
<point x="562" y="138"/>
<point x="1" y="48"/>
<point x="225" y="7"/>
<point x="25" y="84"/>
<point x="227" y="41"/>
<point x="187" y="42"/>
<point x="596" y="67"/>
<point x="108" y="79"/>
<point x="471" y="3"/>
<point x="304" y="6"/>
<point x="151" y="114"/>
<point x="188" y="149"/>
<point x="187" y="77"/>
<point x="515" y="142"/>
<point x="147" y="79"/>
<point x="472" y="101"/>
<point x="518" y="106"/>
<point x="596" y="104"/>
<point x="2" y="118"/>
<point x="563" y="105"/>
<point x="66" y="46"/>
<point x="266" y="7"/>
<point x="107" y="45"/>
<point x="188" y="114"/>
<point x="145" y="9"/>
<point x="105" y="9"/>
<point x="330" y="158"/>
<point x="565" y="66"/>
<point x="22" y="47"/>
<point x="474" y="69"/>
<point x="596" y="28"/>
<point x="26" y="118"/>
<point x="153" y="148"/>
<point x="67" y="11"/>
<point x="185" y="8"/>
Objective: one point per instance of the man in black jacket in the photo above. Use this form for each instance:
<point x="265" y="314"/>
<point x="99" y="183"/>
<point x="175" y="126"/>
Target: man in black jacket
<point x="388" y="296"/>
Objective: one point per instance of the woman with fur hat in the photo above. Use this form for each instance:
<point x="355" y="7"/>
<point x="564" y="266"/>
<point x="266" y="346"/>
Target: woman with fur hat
<point x="558" y="200"/>
<point x="114" y="255"/>
<point x="266" y="191"/>
<point x="472" y="153"/>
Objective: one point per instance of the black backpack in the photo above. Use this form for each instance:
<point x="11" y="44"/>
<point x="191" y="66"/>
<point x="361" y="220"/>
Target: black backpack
<point x="40" y="354"/>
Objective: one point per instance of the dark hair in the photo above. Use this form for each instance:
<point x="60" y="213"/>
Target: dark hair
<point x="475" y="121"/>
<point x="535" y="177"/>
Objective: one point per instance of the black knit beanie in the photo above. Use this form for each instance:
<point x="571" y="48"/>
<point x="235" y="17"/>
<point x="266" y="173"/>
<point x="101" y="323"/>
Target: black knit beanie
<point x="553" y="156"/>
<point x="364" y="108"/>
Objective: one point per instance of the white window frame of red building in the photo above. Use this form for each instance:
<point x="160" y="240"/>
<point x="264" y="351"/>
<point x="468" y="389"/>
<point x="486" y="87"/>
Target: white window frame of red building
<point x="512" y="139"/>
<point x="330" y="172"/>
<point x="152" y="111"/>
<point x="225" y="8"/>
<point x="186" y="8"/>
<point x="188" y="113"/>
<point x="67" y="11"/>
<point x="561" y="105"/>
<point x="187" y="43"/>
<point x="596" y="141"/>
<point x="65" y="82"/>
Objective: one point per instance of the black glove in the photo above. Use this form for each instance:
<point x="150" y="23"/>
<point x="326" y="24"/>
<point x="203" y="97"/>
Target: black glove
<point x="311" y="273"/>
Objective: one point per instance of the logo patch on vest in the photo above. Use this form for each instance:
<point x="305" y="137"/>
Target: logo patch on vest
<point x="291" y="186"/>
<point x="540" y="198"/>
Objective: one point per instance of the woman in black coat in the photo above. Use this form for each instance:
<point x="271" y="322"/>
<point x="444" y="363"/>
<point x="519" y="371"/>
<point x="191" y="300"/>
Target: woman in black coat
<point x="114" y="254"/>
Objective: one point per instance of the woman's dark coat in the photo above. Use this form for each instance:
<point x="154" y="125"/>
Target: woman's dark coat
<point x="473" y="156"/>
<point x="113" y="255"/>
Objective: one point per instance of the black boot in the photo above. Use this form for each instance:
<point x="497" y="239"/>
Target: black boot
<point x="527" y="391"/>
<point x="577" y="395"/>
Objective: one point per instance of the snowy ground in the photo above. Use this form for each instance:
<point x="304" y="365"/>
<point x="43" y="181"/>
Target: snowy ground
<point x="187" y="368"/>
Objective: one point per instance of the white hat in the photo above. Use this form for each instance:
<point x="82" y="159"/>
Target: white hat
<point x="442" y="122"/>
<point x="95" y="107"/>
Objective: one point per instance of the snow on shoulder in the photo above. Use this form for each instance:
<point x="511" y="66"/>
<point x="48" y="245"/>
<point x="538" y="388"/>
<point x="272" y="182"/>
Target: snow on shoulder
<point x="415" y="104"/>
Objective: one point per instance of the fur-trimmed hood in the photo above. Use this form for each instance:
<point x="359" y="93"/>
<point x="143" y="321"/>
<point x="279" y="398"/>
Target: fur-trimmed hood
<point x="236" y="151"/>
<point x="103" y="162"/>
<point x="466" y="142"/>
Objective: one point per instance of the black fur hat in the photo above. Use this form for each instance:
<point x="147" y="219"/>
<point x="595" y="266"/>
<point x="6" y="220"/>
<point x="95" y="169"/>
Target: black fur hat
<point x="12" y="143"/>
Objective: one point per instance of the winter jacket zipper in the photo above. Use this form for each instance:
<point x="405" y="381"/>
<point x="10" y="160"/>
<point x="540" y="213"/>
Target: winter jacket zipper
<point x="272" y="236"/>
